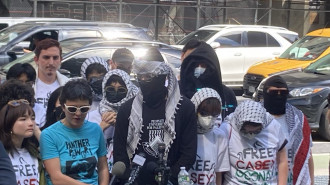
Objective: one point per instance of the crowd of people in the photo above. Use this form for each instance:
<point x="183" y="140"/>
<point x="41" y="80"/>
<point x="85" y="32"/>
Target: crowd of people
<point x="56" y="130"/>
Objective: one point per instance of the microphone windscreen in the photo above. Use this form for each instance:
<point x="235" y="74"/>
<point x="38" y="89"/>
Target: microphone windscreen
<point x="118" y="168"/>
<point x="151" y="167"/>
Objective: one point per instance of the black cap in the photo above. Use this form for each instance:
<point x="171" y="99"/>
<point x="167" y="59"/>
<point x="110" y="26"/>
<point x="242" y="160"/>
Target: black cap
<point x="123" y="55"/>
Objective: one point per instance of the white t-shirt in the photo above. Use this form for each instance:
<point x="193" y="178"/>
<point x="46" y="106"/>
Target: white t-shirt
<point x="42" y="94"/>
<point x="25" y="167"/>
<point x="212" y="156"/>
<point x="253" y="161"/>
<point x="285" y="130"/>
<point x="108" y="133"/>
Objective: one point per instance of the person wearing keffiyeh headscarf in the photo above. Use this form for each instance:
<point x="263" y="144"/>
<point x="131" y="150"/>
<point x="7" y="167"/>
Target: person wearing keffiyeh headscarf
<point x="256" y="147"/>
<point x="294" y="127"/>
<point x="212" y="148"/>
<point x="117" y="89"/>
<point x="93" y="70"/>
<point x="157" y="114"/>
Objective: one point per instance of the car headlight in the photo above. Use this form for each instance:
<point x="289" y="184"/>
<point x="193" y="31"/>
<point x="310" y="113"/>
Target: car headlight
<point x="298" y="92"/>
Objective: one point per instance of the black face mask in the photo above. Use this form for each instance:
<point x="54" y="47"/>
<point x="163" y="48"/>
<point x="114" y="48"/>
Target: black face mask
<point x="154" y="91"/>
<point x="96" y="86"/>
<point x="115" y="97"/>
<point x="275" y="104"/>
<point x="58" y="113"/>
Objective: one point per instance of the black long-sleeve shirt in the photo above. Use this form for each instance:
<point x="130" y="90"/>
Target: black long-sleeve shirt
<point x="184" y="147"/>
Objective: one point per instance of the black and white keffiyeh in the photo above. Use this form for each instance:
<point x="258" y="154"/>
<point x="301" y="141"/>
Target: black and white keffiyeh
<point x="132" y="90"/>
<point x="251" y="111"/>
<point x="203" y="94"/>
<point x="172" y="102"/>
<point x="92" y="60"/>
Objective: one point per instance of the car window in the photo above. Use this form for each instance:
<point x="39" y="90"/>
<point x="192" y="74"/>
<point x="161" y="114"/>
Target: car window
<point x="172" y="60"/>
<point x="322" y="65"/>
<point x="74" y="62"/>
<point x="11" y="33"/>
<point x="256" y="39"/>
<point x="233" y="39"/>
<point x="307" y="48"/>
<point x="203" y="35"/>
<point x="80" y="33"/>
<point x="289" y="37"/>
<point x="271" y="41"/>
<point x="3" y="26"/>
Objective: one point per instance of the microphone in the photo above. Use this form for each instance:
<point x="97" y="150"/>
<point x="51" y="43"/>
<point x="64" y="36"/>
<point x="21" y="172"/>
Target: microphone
<point x="161" y="152"/>
<point x="138" y="162"/>
<point x="118" y="169"/>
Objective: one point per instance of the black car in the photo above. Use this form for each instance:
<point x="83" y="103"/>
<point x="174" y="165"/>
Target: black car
<point x="309" y="90"/>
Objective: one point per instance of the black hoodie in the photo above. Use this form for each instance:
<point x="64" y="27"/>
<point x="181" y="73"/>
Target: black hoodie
<point x="211" y="78"/>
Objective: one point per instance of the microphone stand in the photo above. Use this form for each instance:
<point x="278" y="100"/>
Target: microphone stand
<point x="163" y="170"/>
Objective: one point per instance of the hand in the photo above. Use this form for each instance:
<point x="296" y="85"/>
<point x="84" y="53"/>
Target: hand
<point x="108" y="119"/>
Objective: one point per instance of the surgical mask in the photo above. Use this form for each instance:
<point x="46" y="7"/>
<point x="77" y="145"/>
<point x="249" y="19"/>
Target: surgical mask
<point x="249" y="135"/>
<point x="199" y="71"/>
<point x="205" y="123"/>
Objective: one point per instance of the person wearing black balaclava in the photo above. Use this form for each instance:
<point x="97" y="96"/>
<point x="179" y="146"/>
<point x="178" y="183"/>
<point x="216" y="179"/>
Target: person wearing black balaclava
<point x="292" y="120"/>
<point x="157" y="114"/>
<point x="201" y="68"/>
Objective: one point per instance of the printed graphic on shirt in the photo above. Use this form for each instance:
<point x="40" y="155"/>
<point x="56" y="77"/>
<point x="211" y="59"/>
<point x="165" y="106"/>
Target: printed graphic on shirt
<point x="110" y="153"/>
<point x="155" y="131"/>
<point x="26" y="172"/>
<point x="203" y="171"/>
<point x="81" y="169"/>
<point x="78" y="148"/>
<point x="254" y="165"/>
<point x="290" y="164"/>
<point x="43" y="100"/>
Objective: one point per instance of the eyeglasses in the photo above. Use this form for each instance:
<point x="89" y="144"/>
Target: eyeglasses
<point x="73" y="109"/>
<point x="16" y="103"/>
<point x="112" y="91"/>
<point x="276" y="92"/>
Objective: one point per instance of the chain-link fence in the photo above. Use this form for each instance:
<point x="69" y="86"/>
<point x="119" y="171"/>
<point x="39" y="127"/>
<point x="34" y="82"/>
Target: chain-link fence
<point x="177" y="18"/>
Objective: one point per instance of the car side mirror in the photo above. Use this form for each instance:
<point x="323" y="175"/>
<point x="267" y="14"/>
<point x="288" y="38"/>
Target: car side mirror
<point x="16" y="50"/>
<point x="215" y="45"/>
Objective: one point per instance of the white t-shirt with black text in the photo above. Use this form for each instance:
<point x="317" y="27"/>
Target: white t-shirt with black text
<point x="25" y="167"/>
<point x="212" y="156"/>
<point x="42" y="94"/>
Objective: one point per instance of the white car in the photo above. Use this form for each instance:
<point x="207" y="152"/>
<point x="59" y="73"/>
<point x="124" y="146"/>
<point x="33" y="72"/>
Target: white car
<point x="240" y="46"/>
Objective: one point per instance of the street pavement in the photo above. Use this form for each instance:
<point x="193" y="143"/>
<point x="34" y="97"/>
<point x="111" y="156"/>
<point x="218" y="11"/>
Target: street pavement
<point x="321" y="156"/>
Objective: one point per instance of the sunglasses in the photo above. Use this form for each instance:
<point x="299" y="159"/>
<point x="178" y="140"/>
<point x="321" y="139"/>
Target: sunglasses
<point x="73" y="109"/>
<point x="16" y="103"/>
<point x="111" y="90"/>
<point x="277" y="92"/>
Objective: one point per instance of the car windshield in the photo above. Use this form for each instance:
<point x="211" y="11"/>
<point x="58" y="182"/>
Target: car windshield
<point x="67" y="46"/>
<point x="202" y="35"/>
<point x="321" y="66"/>
<point x="307" y="48"/>
<point x="12" y="32"/>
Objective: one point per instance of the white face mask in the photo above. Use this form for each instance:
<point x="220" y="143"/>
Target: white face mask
<point x="249" y="135"/>
<point x="205" y="123"/>
<point x="199" y="71"/>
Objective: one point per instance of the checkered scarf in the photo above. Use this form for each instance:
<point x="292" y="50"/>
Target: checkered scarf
<point x="172" y="103"/>
<point x="252" y="111"/>
<point x="203" y="94"/>
<point x="132" y="90"/>
<point x="92" y="60"/>
<point x="299" y="135"/>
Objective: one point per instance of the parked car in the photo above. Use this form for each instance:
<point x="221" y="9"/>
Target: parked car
<point x="305" y="51"/>
<point x="13" y="39"/>
<point x="240" y="46"/>
<point x="74" y="56"/>
<point x="309" y="90"/>
<point x="9" y="21"/>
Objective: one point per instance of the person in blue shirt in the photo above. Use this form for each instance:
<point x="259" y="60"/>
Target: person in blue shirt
<point x="73" y="148"/>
